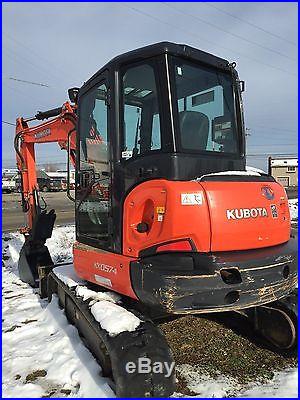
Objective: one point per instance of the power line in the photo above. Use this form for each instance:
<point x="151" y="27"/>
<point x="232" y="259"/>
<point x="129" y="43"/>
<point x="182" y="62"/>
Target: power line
<point x="250" y="23"/>
<point x="208" y="41"/>
<point x="8" y="123"/>
<point x="229" y="33"/>
<point x="272" y="144"/>
<point x="16" y="90"/>
<point x="275" y="128"/>
<point x="270" y="137"/>
<point x="62" y="73"/>
<point x="33" y="65"/>
<point x="273" y="154"/>
<point x="31" y="83"/>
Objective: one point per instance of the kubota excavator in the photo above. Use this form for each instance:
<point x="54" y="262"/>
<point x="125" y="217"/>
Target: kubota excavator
<point x="166" y="213"/>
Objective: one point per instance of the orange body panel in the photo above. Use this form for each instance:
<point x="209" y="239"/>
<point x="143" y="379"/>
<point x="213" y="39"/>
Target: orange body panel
<point x="158" y="203"/>
<point x="197" y="211"/>
<point x="248" y="232"/>
<point x="161" y="204"/>
<point x="103" y="268"/>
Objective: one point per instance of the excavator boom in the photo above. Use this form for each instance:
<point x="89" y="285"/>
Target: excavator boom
<point x="60" y="129"/>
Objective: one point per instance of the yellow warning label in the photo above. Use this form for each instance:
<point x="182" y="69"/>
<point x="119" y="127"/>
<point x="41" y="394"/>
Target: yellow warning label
<point x="160" y="210"/>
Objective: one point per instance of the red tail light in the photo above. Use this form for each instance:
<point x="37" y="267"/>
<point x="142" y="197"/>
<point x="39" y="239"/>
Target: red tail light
<point x="182" y="245"/>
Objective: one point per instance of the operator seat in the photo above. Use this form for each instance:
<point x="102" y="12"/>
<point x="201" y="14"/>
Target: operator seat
<point x="194" y="129"/>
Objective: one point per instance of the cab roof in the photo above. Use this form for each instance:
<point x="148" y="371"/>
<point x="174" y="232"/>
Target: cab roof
<point x="156" y="49"/>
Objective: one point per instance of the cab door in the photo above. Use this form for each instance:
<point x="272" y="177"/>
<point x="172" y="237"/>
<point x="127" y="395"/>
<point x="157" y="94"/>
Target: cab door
<point x="93" y="178"/>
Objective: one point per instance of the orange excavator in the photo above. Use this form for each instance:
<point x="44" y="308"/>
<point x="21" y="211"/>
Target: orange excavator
<point x="166" y="214"/>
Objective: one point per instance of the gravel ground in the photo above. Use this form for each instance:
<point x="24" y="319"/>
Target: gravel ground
<point x="216" y="349"/>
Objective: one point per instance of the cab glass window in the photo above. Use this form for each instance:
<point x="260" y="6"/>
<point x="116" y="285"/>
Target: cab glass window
<point x="93" y="130"/>
<point x="140" y="112"/>
<point x="94" y="184"/>
<point x="205" y="108"/>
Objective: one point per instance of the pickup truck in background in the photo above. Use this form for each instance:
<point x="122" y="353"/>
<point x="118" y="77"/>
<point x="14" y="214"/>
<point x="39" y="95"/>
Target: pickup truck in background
<point x="44" y="184"/>
<point x="50" y="184"/>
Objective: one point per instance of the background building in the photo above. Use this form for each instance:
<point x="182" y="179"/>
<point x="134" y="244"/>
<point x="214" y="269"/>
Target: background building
<point x="284" y="170"/>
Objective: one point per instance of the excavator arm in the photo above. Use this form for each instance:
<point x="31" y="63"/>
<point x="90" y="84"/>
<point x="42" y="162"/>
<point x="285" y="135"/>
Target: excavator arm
<point x="61" y="128"/>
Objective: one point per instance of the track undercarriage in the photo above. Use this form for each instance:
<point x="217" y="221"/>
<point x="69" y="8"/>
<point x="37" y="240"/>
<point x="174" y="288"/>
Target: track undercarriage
<point x="274" y="320"/>
<point x="115" y="353"/>
<point x="275" y="323"/>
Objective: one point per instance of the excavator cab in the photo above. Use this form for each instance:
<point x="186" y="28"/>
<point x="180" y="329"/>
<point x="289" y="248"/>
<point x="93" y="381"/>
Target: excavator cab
<point x="162" y="112"/>
<point x="166" y="214"/>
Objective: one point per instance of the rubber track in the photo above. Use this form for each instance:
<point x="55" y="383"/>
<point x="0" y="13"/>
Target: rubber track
<point x="113" y="353"/>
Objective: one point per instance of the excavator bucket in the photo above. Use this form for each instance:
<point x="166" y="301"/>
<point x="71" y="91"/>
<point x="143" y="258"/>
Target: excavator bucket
<point x="34" y="253"/>
<point x="29" y="262"/>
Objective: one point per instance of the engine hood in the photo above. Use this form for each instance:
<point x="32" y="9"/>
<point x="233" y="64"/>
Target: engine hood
<point x="246" y="214"/>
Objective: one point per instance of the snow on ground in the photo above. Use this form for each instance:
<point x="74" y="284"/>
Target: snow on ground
<point x="293" y="206"/>
<point x="38" y="340"/>
<point x="284" y="384"/>
<point x="43" y="354"/>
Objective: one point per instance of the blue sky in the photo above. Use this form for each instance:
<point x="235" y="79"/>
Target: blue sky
<point x="63" y="44"/>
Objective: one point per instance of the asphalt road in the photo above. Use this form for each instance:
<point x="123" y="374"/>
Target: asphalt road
<point x="13" y="218"/>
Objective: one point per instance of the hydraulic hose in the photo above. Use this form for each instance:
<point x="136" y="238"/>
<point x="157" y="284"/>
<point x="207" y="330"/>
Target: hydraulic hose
<point x="48" y="114"/>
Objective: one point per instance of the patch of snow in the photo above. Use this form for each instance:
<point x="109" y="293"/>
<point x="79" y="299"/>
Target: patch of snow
<point x="24" y="391"/>
<point x="61" y="243"/>
<point x="239" y="173"/>
<point x="113" y="318"/>
<point x="67" y="275"/>
<point x="253" y="169"/>
<point x="37" y="336"/>
<point x="87" y="294"/>
<point x="284" y="384"/>
<point x="205" y="386"/>
<point x="293" y="206"/>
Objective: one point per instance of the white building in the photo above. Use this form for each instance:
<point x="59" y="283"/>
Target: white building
<point x="284" y="170"/>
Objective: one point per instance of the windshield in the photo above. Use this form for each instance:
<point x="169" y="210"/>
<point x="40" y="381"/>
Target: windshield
<point x="206" y="112"/>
